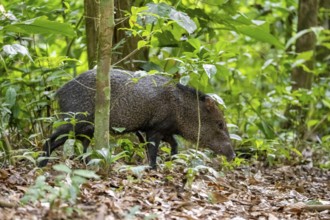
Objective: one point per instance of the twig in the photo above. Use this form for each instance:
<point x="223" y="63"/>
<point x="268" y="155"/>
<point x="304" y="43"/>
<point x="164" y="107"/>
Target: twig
<point x="6" y="204"/>
<point x="318" y="208"/>
<point x="130" y="54"/>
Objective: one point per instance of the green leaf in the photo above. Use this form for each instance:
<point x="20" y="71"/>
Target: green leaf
<point x="119" y="129"/>
<point x="293" y="39"/>
<point x="266" y="129"/>
<point x="185" y="80"/>
<point x="165" y="11"/>
<point x="162" y="9"/>
<point x="326" y="103"/>
<point x="183" y="20"/>
<point x="118" y="156"/>
<point x="217" y="98"/>
<point x="195" y="43"/>
<point x="86" y="173"/>
<point x="41" y="25"/>
<point x="15" y="49"/>
<point x="11" y="97"/>
<point x="235" y="137"/>
<point x="306" y="55"/>
<point x="259" y="34"/>
<point x="62" y="168"/>
<point x="68" y="147"/>
<point x="142" y="43"/>
<point x="210" y="70"/>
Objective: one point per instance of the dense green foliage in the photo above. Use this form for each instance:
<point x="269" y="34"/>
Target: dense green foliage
<point x="242" y="51"/>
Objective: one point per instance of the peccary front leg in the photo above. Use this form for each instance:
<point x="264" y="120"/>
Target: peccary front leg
<point x="153" y="140"/>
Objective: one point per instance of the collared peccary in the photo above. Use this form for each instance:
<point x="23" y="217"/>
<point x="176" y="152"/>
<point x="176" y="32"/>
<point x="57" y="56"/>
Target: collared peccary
<point x="153" y="104"/>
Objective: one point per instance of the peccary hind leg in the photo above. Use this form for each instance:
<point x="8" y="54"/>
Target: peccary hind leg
<point x="174" y="145"/>
<point x="53" y="142"/>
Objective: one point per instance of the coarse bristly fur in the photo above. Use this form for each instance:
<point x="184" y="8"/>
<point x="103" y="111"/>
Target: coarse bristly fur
<point x="153" y="104"/>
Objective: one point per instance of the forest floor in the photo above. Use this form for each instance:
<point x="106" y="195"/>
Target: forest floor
<point x="248" y="192"/>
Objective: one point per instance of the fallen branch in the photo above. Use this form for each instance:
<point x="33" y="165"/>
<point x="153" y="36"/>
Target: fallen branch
<point x="6" y="204"/>
<point x="318" y="208"/>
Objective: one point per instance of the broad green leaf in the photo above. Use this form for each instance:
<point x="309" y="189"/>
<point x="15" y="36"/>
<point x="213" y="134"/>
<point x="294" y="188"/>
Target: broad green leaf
<point x="267" y="63"/>
<point x="259" y="34"/>
<point x="217" y="98"/>
<point x="104" y="152"/>
<point x="119" y="129"/>
<point x="215" y="2"/>
<point x="62" y="168"/>
<point x="229" y="125"/>
<point x="266" y="129"/>
<point x="53" y="62"/>
<point x="142" y="43"/>
<point x="183" y="20"/>
<point x="311" y="123"/>
<point x="185" y="80"/>
<point x="235" y="137"/>
<point x="195" y="43"/>
<point x="41" y="25"/>
<point x="293" y="39"/>
<point x="15" y="49"/>
<point x="86" y="174"/>
<point x="307" y="55"/>
<point x="68" y="147"/>
<point x="210" y="70"/>
<point x="162" y="9"/>
<point x="11" y="96"/>
<point x="326" y="103"/>
<point x="9" y="50"/>
<point x="165" y="11"/>
<point x="118" y="156"/>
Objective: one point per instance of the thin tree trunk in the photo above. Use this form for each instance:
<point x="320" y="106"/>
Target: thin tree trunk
<point x="103" y="89"/>
<point x="91" y="18"/>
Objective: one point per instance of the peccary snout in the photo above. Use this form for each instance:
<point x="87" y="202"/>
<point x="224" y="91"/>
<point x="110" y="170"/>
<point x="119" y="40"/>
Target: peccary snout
<point x="227" y="150"/>
<point x="152" y="104"/>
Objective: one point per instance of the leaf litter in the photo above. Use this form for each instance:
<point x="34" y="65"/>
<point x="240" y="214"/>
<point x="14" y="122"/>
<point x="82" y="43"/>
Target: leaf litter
<point x="248" y="192"/>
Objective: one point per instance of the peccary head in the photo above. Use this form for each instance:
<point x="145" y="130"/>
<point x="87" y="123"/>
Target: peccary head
<point x="213" y="132"/>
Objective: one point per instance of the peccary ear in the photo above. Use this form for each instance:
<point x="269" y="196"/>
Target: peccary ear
<point x="210" y="103"/>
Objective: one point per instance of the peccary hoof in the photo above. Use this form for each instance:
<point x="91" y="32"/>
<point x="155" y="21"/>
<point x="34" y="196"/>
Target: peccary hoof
<point x="152" y="167"/>
<point x="43" y="163"/>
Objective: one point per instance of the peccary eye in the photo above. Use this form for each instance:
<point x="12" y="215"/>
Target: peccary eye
<point x="221" y="124"/>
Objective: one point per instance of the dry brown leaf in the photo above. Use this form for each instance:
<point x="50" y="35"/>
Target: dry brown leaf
<point x="272" y="217"/>
<point x="296" y="207"/>
<point x="218" y="197"/>
<point x="3" y="174"/>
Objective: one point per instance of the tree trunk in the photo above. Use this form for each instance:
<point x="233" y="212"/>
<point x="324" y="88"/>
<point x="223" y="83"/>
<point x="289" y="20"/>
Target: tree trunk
<point x="307" y="18"/>
<point x="126" y="55"/>
<point x="103" y="89"/>
<point x="130" y="58"/>
<point x="322" y="52"/>
<point x="91" y="19"/>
